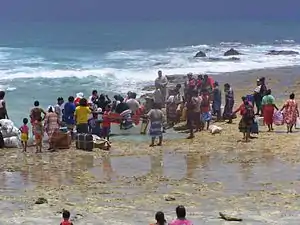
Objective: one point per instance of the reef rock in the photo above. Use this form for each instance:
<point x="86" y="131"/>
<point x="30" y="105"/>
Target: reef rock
<point x="232" y="51"/>
<point x="200" y="54"/>
<point x="283" y="52"/>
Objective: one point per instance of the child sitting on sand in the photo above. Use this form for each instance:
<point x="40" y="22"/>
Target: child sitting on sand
<point x="38" y="133"/>
<point x="24" y="134"/>
<point x="66" y="218"/>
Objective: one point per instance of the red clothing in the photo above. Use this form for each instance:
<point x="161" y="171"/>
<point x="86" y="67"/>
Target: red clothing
<point x="106" y="121"/>
<point x="242" y="109"/>
<point x="66" y="222"/>
<point x="199" y="83"/>
<point x="205" y="105"/>
<point x="77" y="100"/>
<point x="192" y="83"/>
<point x="268" y="112"/>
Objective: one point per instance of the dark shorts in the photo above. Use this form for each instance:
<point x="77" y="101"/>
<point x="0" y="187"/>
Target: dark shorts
<point x="193" y="118"/>
<point x="82" y="128"/>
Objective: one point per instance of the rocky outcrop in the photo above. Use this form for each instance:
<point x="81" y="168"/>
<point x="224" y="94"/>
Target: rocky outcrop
<point x="282" y="52"/>
<point x="232" y="51"/>
<point x="200" y="54"/>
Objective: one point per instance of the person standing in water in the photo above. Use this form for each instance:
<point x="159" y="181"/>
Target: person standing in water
<point x="181" y="217"/>
<point x="156" y="117"/>
<point x="161" y="83"/>
<point x="3" y="110"/>
<point x="36" y="114"/>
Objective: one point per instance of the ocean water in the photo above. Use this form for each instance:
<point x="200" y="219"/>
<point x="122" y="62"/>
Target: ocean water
<point x="42" y="61"/>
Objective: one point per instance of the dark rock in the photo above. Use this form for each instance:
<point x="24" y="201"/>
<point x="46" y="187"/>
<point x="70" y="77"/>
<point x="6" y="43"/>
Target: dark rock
<point x="232" y="51"/>
<point x="149" y="88"/>
<point x="234" y="59"/>
<point x="160" y="63"/>
<point x="40" y="201"/>
<point x="200" y="54"/>
<point x="213" y="59"/>
<point x="229" y="218"/>
<point x="283" y="52"/>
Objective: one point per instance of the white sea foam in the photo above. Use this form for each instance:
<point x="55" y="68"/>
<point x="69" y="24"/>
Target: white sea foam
<point x="142" y="65"/>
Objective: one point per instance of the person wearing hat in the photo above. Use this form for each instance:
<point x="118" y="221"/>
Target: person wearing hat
<point x="59" y="108"/>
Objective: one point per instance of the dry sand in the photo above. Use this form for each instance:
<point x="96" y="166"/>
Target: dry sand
<point x="256" y="181"/>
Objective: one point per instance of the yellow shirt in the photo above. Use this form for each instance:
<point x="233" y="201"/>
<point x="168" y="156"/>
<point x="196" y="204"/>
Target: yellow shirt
<point x="82" y="114"/>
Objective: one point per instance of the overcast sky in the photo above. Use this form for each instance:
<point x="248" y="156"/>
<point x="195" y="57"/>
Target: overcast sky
<point x="100" y="10"/>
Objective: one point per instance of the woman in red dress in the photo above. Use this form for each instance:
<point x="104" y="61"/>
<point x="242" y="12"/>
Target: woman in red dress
<point x="291" y="112"/>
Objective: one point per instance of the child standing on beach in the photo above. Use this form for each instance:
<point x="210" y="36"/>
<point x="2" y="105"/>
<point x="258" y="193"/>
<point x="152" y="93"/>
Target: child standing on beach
<point x="106" y="123"/>
<point x="66" y="218"/>
<point x="24" y="134"/>
<point x="38" y="133"/>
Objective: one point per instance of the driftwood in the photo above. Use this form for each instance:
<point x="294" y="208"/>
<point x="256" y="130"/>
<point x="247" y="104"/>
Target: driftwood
<point x="229" y="218"/>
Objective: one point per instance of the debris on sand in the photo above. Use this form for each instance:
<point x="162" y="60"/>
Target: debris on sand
<point x="229" y="218"/>
<point x="40" y="201"/>
<point x="169" y="198"/>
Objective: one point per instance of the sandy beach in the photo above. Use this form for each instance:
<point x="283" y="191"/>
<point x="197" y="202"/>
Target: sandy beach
<point x="256" y="181"/>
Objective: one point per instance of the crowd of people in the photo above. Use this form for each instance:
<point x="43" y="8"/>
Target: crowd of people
<point x="197" y="103"/>
<point x="78" y="112"/>
<point x="201" y="100"/>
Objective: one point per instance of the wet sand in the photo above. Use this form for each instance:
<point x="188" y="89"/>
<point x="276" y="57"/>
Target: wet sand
<point x="256" y="181"/>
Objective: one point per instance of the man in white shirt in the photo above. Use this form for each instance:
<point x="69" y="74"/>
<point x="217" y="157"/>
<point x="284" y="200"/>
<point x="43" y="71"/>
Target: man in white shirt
<point x="132" y="103"/>
<point x="161" y="82"/>
<point x="158" y="98"/>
